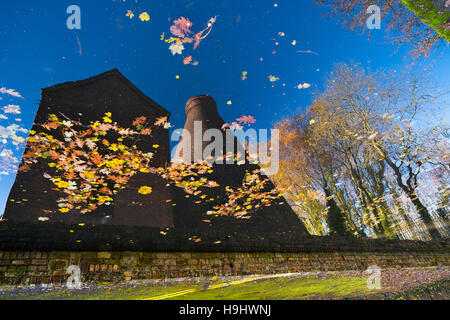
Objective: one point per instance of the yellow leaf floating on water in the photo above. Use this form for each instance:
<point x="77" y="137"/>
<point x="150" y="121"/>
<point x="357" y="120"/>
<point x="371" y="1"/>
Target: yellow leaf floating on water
<point x="89" y="174"/>
<point x="144" y="16"/>
<point x="312" y="121"/>
<point x="107" y="117"/>
<point x="130" y="14"/>
<point x="145" y="190"/>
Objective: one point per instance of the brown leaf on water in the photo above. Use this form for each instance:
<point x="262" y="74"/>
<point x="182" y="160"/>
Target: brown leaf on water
<point x="50" y="125"/>
<point x="77" y="152"/>
<point x="213" y="184"/>
<point x="146" y="131"/>
<point x="24" y="167"/>
<point x="65" y="161"/>
<point x="96" y="158"/>
<point x="139" y="121"/>
<point x="105" y="190"/>
<point x="86" y="133"/>
<point x="126" y="132"/>
<point x="90" y="144"/>
<point x="122" y="179"/>
<point x="54" y="155"/>
<point x="70" y="175"/>
<point x="104" y="127"/>
<point x="79" y="142"/>
<point x="160" y="121"/>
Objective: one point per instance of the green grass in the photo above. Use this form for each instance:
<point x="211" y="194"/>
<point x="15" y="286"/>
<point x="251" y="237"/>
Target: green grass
<point x="127" y="293"/>
<point x="278" y="289"/>
<point x="284" y="289"/>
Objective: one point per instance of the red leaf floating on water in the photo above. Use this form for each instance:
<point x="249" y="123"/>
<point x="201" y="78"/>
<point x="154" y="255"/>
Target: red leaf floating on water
<point x="246" y="119"/>
<point x="187" y="60"/>
<point x="198" y="38"/>
<point x="183" y="24"/>
<point x="176" y="31"/>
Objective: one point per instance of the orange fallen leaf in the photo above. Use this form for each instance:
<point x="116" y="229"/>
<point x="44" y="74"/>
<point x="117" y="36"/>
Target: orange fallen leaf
<point x="139" y="121"/>
<point x="160" y="121"/>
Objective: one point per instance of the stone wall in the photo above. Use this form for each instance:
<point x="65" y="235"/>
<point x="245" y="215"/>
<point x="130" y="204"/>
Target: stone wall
<point x="41" y="253"/>
<point x="37" y="267"/>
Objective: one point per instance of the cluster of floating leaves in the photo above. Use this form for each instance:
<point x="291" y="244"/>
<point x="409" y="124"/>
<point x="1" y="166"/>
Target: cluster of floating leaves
<point x="181" y="35"/>
<point x="143" y="16"/>
<point x="89" y="164"/>
<point x="247" y="198"/>
<point x="197" y="180"/>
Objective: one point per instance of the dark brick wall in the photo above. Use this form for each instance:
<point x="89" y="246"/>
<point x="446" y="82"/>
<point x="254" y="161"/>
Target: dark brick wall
<point x="234" y="236"/>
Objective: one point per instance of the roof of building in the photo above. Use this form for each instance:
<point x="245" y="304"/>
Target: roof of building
<point x="111" y="73"/>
